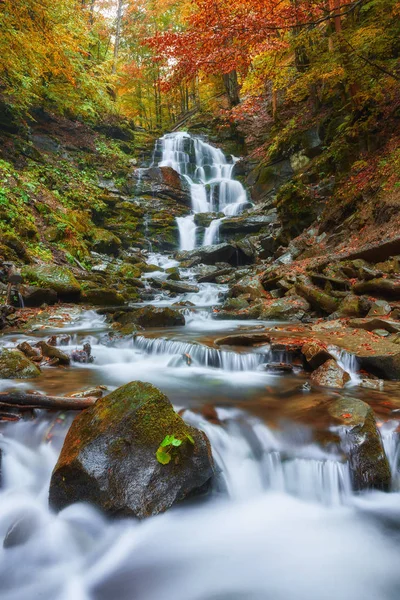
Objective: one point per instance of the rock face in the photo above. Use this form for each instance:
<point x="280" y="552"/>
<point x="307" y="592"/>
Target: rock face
<point x="36" y="296"/>
<point x="362" y="444"/>
<point x="330" y="375"/>
<point x="388" y="288"/>
<point x="15" y="365"/>
<point x="162" y="182"/>
<point x="59" y="279"/>
<point x="109" y="456"/>
<point x="209" y="255"/>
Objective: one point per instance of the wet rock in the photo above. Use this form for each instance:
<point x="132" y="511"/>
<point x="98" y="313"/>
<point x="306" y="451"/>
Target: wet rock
<point x="35" y="296"/>
<point x="161" y="182"/>
<point x="318" y="299"/>
<point x="209" y="255"/>
<point x="379" y="308"/>
<point x="235" y="303"/>
<point x="247" y="224"/>
<point x="83" y="356"/>
<point x="292" y="308"/>
<point x="32" y="353"/>
<point x="211" y="277"/>
<point x="330" y="375"/>
<point x="102" y="297"/>
<point x="53" y="353"/>
<point x="370" y="324"/>
<point x="204" y="219"/>
<point x="106" y="242"/>
<point x="362" y="444"/>
<point x="244" y="339"/>
<point x="15" y="365"/>
<point x="59" y="279"/>
<point x="179" y="287"/>
<point x="315" y="353"/>
<point x="96" y="392"/>
<point x="352" y="306"/>
<point x="252" y="312"/>
<point x="150" y="316"/>
<point x="388" y="288"/>
<point x="250" y="285"/>
<point x="109" y="456"/>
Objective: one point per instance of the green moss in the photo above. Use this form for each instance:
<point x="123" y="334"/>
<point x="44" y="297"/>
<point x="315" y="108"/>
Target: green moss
<point x="15" y="365"/>
<point x="55" y="277"/>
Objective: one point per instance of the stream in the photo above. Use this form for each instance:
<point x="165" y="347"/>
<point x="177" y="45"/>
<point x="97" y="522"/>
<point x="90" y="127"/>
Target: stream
<point x="281" y="522"/>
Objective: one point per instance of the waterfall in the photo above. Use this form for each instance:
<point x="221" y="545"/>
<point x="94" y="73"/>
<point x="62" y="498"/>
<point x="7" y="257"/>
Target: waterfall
<point x="209" y="175"/>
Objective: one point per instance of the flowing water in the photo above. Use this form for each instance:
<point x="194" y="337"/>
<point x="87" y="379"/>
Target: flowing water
<point x="281" y="522"/>
<point x="209" y="175"/>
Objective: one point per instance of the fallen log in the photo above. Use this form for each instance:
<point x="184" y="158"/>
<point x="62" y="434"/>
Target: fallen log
<point x="26" y="401"/>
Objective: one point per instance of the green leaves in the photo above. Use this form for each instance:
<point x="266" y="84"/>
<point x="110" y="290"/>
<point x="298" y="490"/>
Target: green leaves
<point x="167" y="447"/>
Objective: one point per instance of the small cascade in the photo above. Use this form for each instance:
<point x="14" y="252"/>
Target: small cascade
<point x="209" y="175"/>
<point x="146" y="232"/>
<point x="199" y="354"/>
<point x="260" y="460"/>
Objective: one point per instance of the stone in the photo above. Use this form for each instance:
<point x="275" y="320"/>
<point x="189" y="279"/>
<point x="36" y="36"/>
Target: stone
<point x="292" y="308"/>
<point x="379" y="308"/>
<point x="204" y="219"/>
<point x="362" y="444"/>
<point x="372" y="323"/>
<point x="59" y="279"/>
<point x="36" y="296"/>
<point x="150" y="316"/>
<point x="102" y="297"/>
<point x="109" y="456"/>
<point x="318" y="299"/>
<point x="209" y="255"/>
<point x="54" y="353"/>
<point x="351" y="306"/>
<point x="212" y="276"/>
<point x="248" y="285"/>
<point x="388" y="288"/>
<point x="15" y="365"/>
<point x="315" y="353"/>
<point x="179" y="287"/>
<point x="330" y="375"/>
<point x="247" y="224"/>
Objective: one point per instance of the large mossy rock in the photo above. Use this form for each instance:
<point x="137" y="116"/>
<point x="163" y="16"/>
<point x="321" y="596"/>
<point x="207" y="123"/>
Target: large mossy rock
<point x="59" y="279"/>
<point x="388" y="288"/>
<point x="151" y="316"/>
<point x="106" y="242"/>
<point x="292" y="308"/>
<point x="36" y="296"/>
<point x="15" y="365"/>
<point x="317" y="298"/>
<point x="362" y="444"/>
<point x="109" y="456"/>
<point x="103" y="297"/>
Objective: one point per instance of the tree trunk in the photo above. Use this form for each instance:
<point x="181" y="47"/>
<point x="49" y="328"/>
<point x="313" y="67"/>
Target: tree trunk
<point x="232" y="88"/>
<point x="26" y="401"/>
<point x="117" y="35"/>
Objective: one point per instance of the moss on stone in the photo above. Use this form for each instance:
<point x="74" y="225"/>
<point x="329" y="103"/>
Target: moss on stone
<point x="15" y="365"/>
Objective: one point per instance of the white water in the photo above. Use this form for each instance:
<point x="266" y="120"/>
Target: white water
<point x="209" y="175"/>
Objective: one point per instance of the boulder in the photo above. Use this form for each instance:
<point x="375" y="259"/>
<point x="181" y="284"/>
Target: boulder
<point x="352" y="306"/>
<point x="15" y="365"/>
<point x="330" y="375"/>
<point x="362" y="444"/>
<point x="112" y="456"/>
<point x="209" y="255"/>
<point x="102" y="297"/>
<point x="388" y="288"/>
<point x="36" y="296"/>
<point x="179" y="287"/>
<point x="372" y="323"/>
<point x="292" y="308"/>
<point x="315" y="353"/>
<point x="247" y="224"/>
<point x="150" y="316"/>
<point x="248" y="285"/>
<point x="54" y="353"/>
<point x="204" y="219"/>
<point x="59" y="279"/>
<point x="318" y="299"/>
<point x="211" y="276"/>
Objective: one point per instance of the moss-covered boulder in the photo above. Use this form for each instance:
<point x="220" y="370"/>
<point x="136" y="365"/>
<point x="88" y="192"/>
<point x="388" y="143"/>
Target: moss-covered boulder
<point x="109" y="457"/>
<point x="102" y="297"/>
<point x="15" y="365"/>
<point x="59" y="279"/>
<point x="151" y="316"/>
<point x="362" y="444"/>
<point x="292" y="308"/>
<point x="106" y="242"/>
<point x="352" y="306"/>
<point x="318" y="299"/>
<point x="388" y="288"/>
<point x="36" y="296"/>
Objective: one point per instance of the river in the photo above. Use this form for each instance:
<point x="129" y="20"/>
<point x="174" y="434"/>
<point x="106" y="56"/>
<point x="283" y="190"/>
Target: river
<point x="281" y="522"/>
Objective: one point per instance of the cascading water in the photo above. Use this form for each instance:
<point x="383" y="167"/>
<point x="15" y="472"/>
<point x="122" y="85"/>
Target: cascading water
<point x="209" y="175"/>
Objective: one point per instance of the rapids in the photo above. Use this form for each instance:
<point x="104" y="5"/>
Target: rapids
<point x="281" y="523"/>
